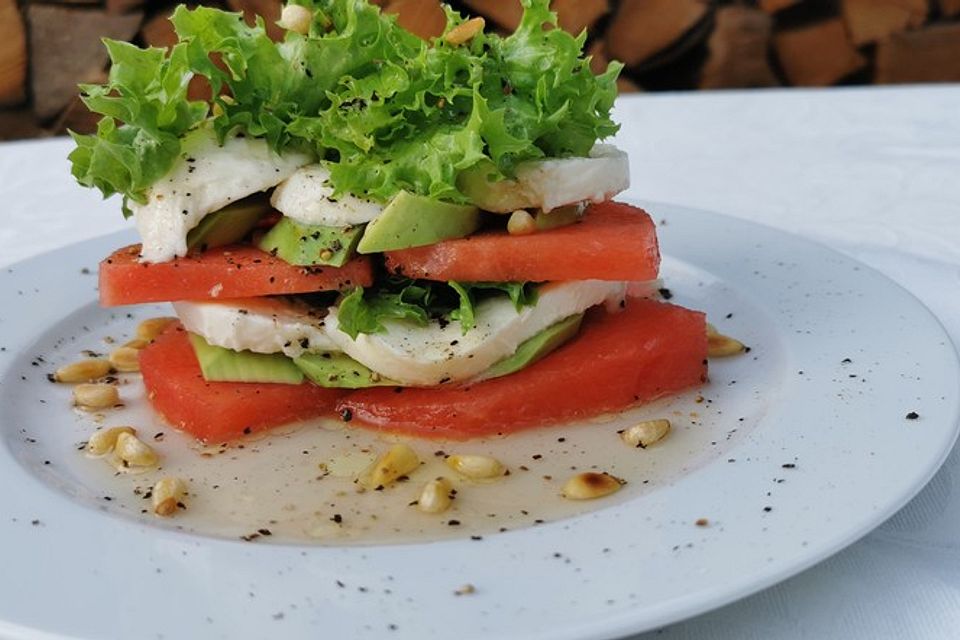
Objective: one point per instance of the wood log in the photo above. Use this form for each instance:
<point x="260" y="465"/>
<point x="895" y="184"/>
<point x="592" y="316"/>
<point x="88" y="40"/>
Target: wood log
<point x="13" y="55"/>
<point x="574" y="16"/>
<point x="949" y="8"/>
<point x="66" y="49"/>
<point x="773" y="6"/>
<point x="641" y="28"/>
<point x="598" y="64"/>
<point x="19" y="123"/>
<point x="269" y="10"/>
<point x="424" y="18"/>
<point x="158" y="31"/>
<point x="817" y="55"/>
<point x="124" y="6"/>
<point x="506" y="13"/>
<point x="738" y="50"/>
<point x="928" y="55"/>
<point x="873" y="20"/>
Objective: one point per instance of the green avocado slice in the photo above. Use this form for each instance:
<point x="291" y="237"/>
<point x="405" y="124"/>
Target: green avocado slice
<point x="338" y="370"/>
<point x="414" y="221"/>
<point x="229" y="225"/>
<point x="225" y="365"/>
<point x="307" y="245"/>
<point x="482" y="187"/>
<point x="535" y="348"/>
<point x="559" y="217"/>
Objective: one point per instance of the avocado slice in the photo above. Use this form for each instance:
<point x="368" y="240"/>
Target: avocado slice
<point x="338" y="370"/>
<point x="306" y="245"/>
<point x="535" y="348"/>
<point x="413" y="221"/>
<point x="559" y="217"/>
<point x="485" y="187"/>
<point x="229" y="225"/>
<point x="225" y="365"/>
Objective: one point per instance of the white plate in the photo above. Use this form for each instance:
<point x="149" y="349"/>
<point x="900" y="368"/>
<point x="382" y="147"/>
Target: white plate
<point x="75" y="571"/>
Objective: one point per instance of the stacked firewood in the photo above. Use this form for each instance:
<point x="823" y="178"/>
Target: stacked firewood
<point x="48" y="47"/>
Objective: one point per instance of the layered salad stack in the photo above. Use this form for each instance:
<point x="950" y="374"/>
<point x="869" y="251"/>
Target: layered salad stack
<point x="412" y="236"/>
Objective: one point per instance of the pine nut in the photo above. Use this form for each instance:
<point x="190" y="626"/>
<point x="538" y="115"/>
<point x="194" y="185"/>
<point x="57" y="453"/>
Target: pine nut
<point x="465" y="31"/>
<point x="590" y="485"/>
<point x="398" y="461"/>
<point x="436" y="496"/>
<point x="296" y="18"/>
<point x="136" y="343"/>
<point x="150" y="328"/>
<point x="125" y="359"/>
<point x="82" y="371"/>
<point x="167" y="495"/>
<point x="521" y="223"/>
<point x="721" y="346"/>
<point x="103" y="441"/>
<point x="133" y="452"/>
<point x="95" y="396"/>
<point x="476" y="467"/>
<point x="643" y="434"/>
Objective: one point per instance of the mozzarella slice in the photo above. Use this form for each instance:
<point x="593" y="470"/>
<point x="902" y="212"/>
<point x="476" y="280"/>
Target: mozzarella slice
<point x="553" y="183"/>
<point x="434" y="355"/>
<point x="307" y="197"/>
<point x="411" y="355"/>
<point x="263" y="326"/>
<point x="206" y="178"/>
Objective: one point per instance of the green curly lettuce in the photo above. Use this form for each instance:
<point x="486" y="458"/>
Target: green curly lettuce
<point x="419" y="301"/>
<point x="385" y="110"/>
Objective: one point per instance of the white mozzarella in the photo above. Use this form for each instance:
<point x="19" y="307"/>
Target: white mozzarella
<point x="262" y="326"/>
<point x="553" y="183"/>
<point x="206" y="178"/>
<point x="434" y="355"/>
<point x="307" y="197"/>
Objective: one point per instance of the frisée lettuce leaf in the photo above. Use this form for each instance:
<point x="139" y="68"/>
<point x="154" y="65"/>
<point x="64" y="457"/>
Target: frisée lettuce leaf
<point x="383" y="109"/>
<point x="420" y="301"/>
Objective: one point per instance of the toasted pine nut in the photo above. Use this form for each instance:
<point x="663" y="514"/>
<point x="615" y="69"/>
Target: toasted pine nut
<point x="721" y="346"/>
<point x="82" y="371"/>
<point x="167" y="495"/>
<point x="103" y="441"/>
<point x="95" y="396"/>
<point x="150" y="328"/>
<point x="136" y="343"/>
<point x="399" y="460"/>
<point x="476" y="467"/>
<point x="326" y="254"/>
<point x="590" y="485"/>
<point x="296" y="18"/>
<point x="435" y="496"/>
<point x="465" y="31"/>
<point x="125" y="359"/>
<point x="643" y="434"/>
<point x="521" y="223"/>
<point x="133" y="452"/>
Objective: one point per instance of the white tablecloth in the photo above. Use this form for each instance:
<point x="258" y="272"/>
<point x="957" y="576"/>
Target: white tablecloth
<point x="872" y="172"/>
